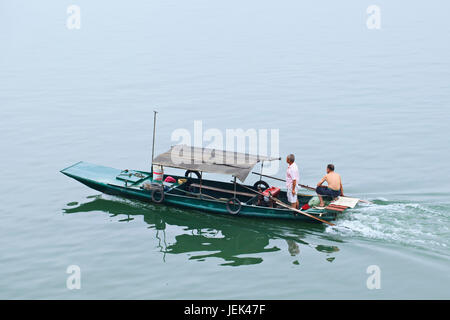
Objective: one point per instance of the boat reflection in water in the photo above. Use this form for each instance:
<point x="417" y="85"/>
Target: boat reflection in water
<point x="219" y="236"/>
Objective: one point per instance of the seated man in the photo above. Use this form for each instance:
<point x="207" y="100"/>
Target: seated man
<point x="334" y="188"/>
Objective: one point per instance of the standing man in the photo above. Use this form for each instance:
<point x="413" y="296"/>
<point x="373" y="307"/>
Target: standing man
<point x="292" y="179"/>
<point x="334" y="188"/>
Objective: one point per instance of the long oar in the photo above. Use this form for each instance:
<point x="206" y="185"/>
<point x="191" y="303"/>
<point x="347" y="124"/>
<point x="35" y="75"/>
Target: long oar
<point x="281" y="203"/>
<point x="301" y="185"/>
<point x="282" y="180"/>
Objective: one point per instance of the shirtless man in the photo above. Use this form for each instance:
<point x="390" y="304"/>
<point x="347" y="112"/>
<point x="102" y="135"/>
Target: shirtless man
<point x="334" y="188"/>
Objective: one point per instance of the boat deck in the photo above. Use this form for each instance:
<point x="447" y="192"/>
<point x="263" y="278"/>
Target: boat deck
<point x="212" y="198"/>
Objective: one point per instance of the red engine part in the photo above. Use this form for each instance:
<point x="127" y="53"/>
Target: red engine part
<point x="274" y="191"/>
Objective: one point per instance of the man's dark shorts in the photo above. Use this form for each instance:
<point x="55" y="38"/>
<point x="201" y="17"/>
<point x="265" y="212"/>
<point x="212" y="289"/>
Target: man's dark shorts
<point x="325" y="191"/>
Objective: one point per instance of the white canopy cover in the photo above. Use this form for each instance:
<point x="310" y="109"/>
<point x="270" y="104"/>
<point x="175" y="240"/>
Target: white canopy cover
<point x="236" y="164"/>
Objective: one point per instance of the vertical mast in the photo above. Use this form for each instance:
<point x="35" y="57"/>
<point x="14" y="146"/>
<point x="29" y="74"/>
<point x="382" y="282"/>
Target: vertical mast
<point x="154" y="132"/>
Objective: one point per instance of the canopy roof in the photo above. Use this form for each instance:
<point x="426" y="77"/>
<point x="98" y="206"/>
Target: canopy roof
<point x="232" y="163"/>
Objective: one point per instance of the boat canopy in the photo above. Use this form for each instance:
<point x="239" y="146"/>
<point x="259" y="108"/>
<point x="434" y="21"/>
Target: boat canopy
<point x="186" y="157"/>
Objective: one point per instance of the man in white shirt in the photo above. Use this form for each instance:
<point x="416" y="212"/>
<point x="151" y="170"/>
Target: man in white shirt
<point x="292" y="179"/>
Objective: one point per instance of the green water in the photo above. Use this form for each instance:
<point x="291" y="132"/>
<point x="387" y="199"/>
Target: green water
<point x="373" y="102"/>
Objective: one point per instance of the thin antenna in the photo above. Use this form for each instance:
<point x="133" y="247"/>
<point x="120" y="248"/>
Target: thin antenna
<point x="154" y="133"/>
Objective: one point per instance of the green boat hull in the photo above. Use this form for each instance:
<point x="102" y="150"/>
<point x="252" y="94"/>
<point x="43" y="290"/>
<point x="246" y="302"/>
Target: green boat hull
<point x="107" y="180"/>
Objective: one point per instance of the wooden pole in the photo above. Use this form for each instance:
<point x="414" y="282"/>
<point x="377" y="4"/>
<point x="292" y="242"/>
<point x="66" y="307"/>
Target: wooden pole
<point x="154" y="133"/>
<point x="261" y="174"/>
<point x="282" y="180"/>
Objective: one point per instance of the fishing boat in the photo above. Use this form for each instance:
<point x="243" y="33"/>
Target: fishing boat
<point x="193" y="191"/>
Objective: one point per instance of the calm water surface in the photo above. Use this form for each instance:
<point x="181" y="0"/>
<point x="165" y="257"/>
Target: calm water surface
<point x="374" y="102"/>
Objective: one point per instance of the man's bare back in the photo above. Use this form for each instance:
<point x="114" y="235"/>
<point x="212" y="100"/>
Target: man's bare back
<point x="334" y="188"/>
<point x="334" y="180"/>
